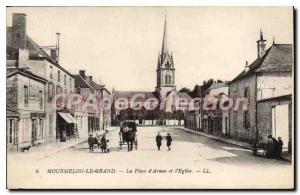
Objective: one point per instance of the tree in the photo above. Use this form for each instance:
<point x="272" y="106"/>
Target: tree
<point x="185" y="89"/>
<point x="206" y="84"/>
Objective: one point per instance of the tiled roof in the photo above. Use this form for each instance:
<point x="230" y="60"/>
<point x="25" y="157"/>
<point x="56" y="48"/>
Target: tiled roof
<point x="217" y="85"/>
<point x="278" y="58"/>
<point x="34" y="50"/>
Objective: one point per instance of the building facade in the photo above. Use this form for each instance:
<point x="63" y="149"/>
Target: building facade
<point x="60" y="82"/>
<point x="267" y="79"/>
<point x="26" y="109"/>
<point x="87" y="108"/>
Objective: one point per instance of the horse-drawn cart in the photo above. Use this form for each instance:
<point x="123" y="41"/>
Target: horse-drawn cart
<point x="128" y="135"/>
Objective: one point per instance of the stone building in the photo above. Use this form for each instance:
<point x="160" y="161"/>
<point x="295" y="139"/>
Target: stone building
<point x="266" y="83"/>
<point x="25" y="108"/>
<point x="43" y="62"/>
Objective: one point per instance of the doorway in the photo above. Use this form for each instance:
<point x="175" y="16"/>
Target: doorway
<point x="280" y="123"/>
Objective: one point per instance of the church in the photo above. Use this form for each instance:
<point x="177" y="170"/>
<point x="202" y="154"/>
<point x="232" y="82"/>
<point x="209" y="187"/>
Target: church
<point x="165" y="102"/>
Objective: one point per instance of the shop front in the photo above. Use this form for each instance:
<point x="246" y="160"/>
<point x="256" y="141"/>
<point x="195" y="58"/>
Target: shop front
<point x="66" y="126"/>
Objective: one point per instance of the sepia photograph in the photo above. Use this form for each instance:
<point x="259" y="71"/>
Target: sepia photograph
<point x="150" y="97"/>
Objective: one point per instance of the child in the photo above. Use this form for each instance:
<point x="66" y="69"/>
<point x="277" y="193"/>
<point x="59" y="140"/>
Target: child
<point x="158" y="141"/>
<point x="91" y="142"/>
<point x="169" y="141"/>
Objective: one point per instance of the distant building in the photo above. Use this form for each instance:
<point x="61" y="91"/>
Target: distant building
<point x="87" y="113"/>
<point x="215" y="118"/>
<point x="267" y="83"/>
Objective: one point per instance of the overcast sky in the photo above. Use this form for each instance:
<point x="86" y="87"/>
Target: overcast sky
<point x="120" y="46"/>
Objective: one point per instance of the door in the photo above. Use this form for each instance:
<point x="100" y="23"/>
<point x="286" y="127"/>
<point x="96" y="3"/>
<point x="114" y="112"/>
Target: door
<point x="34" y="131"/>
<point x="280" y="123"/>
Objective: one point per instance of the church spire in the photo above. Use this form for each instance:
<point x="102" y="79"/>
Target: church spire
<point x="164" y="49"/>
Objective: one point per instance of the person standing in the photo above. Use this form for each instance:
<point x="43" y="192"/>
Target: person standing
<point x="280" y="144"/>
<point x="275" y="148"/>
<point x="103" y="143"/>
<point x="91" y="142"/>
<point x="169" y="141"/>
<point x="158" y="141"/>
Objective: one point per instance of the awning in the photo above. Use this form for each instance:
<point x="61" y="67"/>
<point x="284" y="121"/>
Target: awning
<point x="71" y="118"/>
<point x="65" y="117"/>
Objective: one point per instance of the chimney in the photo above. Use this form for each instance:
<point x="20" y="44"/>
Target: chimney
<point x="19" y="31"/>
<point x="53" y="54"/>
<point x="82" y="73"/>
<point x="246" y="66"/>
<point x="261" y="45"/>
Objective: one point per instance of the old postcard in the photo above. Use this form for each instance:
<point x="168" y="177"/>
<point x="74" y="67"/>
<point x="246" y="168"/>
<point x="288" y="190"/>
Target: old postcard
<point x="150" y="97"/>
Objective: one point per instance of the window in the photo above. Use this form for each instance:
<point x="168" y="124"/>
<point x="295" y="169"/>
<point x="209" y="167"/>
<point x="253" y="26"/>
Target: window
<point x="78" y="90"/>
<point x="41" y="98"/>
<point x="51" y="72"/>
<point x="70" y="83"/>
<point x="26" y="95"/>
<point x="11" y="129"/>
<point x="168" y="65"/>
<point x="168" y="79"/>
<point x="50" y="91"/>
<point x="246" y="119"/>
<point x="58" y="76"/>
<point x="247" y="92"/>
<point x="65" y="79"/>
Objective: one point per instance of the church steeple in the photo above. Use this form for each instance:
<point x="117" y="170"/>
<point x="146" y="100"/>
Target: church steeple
<point x="165" y="66"/>
<point x="164" y="49"/>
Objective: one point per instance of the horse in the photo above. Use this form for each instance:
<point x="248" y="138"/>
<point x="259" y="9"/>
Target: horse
<point x="129" y="137"/>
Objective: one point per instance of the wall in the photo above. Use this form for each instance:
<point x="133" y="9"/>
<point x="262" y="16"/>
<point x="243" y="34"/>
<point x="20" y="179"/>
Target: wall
<point x="274" y="85"/>
<point x="264" y="115"/>
<point x="44" y="69"/>
<point x="236" y="118"/>
<point x="25" y="123"/>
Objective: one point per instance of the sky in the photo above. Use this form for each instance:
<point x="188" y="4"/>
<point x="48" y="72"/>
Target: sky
<point x="119" y="46"/>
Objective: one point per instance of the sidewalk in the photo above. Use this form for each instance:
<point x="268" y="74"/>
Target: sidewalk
<point x="223" y="139"/>
<point x="44" y="150"/>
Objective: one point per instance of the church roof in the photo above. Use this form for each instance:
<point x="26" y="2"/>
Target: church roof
<point x="278" y="58"/>
<point x="180" y="94"/>
<point x="130" y="94"/>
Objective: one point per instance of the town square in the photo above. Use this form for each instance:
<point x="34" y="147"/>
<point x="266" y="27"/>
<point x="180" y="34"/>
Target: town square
<point x="150" y="98"/>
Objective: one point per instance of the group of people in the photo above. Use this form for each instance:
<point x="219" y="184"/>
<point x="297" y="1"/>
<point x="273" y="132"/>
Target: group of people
<point x="94" y="141"/>
<point x="159" y="139"/>
<point x="273" y="147"/>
